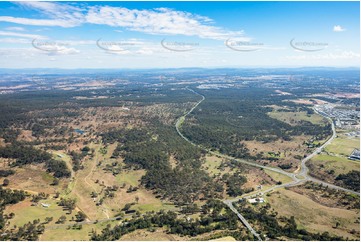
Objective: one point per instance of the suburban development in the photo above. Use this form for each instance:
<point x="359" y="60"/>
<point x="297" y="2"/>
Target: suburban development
<point x="166" y="121"/>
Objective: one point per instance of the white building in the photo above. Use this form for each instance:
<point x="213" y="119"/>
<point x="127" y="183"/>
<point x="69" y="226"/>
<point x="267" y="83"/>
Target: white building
<point x="256" y="200"/>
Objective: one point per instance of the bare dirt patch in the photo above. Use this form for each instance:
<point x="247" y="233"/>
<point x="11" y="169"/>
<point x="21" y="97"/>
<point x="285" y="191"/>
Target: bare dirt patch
<point x="26" y="135"/>
<point x="158" y="235"/>
<point x="33" y="178"/>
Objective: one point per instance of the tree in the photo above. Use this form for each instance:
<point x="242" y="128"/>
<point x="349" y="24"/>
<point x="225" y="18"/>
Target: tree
<point x="48" y="219"/>
<point x="80" y="216"/>
<point x="61" y="220"/>
<point x="127" y="207"/>
<point x="55" y="182"/>
<point x="57" y="194"/>
<point x="68" y="203"/>
<point x="6" y="182"/>
<point x="85" y="149"/>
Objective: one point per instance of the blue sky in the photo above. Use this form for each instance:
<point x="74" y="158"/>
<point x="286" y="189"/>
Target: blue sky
<point x="178" y="34"/>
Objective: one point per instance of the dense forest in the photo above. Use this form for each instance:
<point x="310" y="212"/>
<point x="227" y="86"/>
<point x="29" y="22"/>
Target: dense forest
<point x="227" y="118"/>
<point x="350" y="180"/>
<point x="183" y="184"/>
<point x="24" y="154"/>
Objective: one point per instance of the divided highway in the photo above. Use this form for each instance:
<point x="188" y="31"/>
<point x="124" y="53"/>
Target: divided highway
<point x="298" y="178"/>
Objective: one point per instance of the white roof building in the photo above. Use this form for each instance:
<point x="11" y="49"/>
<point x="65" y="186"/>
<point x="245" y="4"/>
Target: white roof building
<point x="256" y="200"/>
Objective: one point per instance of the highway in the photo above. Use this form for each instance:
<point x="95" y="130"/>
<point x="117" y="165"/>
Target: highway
<point x="243" y="220"/>
<point x="304" y="169"/>
<point x="298" y="178"/>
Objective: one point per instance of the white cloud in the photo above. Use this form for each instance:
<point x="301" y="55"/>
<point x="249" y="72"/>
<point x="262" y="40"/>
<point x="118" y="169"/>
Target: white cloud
<point x="14" y="41"/>
<point x="24" y="53"/>
<point x="63" y="15"/>
<point x="338" y="28"/>
<point x="162" y="21"/>
<point x="61" y="50"/>
<point x="145" y="52"/>
<point x="57" y="49"/>
<point x="36" y="54"/>
<point x="37" y="22"/>
<point x="327" y="56"/>
<point x="14" y="34"/>
<point x="118" y="49"/>
<point x="158" y="21"/>
<point x="15" y="28"/>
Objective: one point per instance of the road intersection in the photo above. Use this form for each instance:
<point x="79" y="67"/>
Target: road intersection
<point x="298" y="178"/>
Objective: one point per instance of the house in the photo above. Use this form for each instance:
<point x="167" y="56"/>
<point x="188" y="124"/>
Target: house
<point x="256" y="200"/>
<point x="355" y="155"/>
<point x="45" y="205"/>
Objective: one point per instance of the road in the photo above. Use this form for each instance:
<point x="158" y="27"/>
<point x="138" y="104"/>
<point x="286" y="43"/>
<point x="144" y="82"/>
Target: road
<point x="304" y="169"/>
<point x="244" y="221"/>
<point x="181" y="119"/>
<point x="298" y="178"/>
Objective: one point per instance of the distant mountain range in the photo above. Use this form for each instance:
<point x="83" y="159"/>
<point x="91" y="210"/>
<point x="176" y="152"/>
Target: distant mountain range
<point x="167" y="70"/>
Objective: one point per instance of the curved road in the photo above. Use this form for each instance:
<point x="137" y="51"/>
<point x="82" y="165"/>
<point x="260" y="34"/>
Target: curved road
<point x="298" y="178"/>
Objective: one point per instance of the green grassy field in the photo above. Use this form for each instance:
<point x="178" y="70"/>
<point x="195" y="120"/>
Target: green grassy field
<point x="339" y="164"/>
<point x="314" y="216"/>
<point x="130" y="177"/>
<point x="66" y="234"/>
<point x="343" y="145"/>
<point x="278" y="177"/>
<point x="211" y="164"/>
<point x="156" y="206"/>
<point x="293" y="117"/>
<point x="83" y="185"/>
<point x="24" y="212"/>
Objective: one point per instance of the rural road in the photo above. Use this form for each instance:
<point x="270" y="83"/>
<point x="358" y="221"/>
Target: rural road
<point x="298" y="178"/>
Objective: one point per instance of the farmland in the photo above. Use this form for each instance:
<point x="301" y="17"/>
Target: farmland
<point x="115" y="167"/>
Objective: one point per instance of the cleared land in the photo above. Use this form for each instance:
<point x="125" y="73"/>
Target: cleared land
<point x="34" y="179"/>
<point x="68" y="233"/>
<point x="338" y="164"/>
<point x="24" y="212"/>
<point x="212" y="165"/>
<point x="293" y="118"/>
<point x="285" y="152"/>
<point x="313" y="216"/>
<point x="145" y="235"/>
<point x="278" y="177"/>
<point x="343" y="145"/>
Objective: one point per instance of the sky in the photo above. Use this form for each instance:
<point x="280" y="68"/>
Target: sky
<point x="179" y="34"/>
